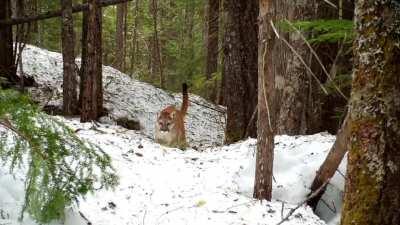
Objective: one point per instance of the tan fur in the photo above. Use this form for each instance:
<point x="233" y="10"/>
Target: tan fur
<point x="170" y="124"/>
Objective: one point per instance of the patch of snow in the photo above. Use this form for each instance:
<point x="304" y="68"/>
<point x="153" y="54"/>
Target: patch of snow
<point x="125" y="97"/>
<point x="167" y="186"/>
<point x="296" y="160"/>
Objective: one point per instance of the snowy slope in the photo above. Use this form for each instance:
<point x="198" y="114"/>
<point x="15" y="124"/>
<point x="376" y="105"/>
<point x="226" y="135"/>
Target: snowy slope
<point x="161" y="185"/>
<point x="125" y="97"/>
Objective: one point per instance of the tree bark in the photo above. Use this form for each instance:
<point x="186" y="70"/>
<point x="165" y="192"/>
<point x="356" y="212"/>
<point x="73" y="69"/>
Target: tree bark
<point x="7" y="65"/>
<point x="84" y="44"/>
<point x="70" y="95"/>
<point x="372" y="191"/>
<point x="294" y="85"/>
<point x="266" y="120"/>
<point x="156" y="64"/>
<point x="120" y="52"/>
<point x="240" y="67"/>
<point x="331" y="163"/>
<point x="212" y="38"/>
<point x="91" y="93"/>
<point x="135" y="41"/>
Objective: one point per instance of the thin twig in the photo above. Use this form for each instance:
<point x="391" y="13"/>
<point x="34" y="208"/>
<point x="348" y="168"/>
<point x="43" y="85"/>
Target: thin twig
<point x="317" y="58"/>
<point x="331" y="4"/>
<point x="240" y="204"/>
<point x="340" y="172"/>
<point x="301" y="60"/>
<point x="312" y="195"/>
<point x="144" y="216"/>
<point x="328" y="206"/>
<point x="168" y="212"/>
<point x="85" y="218"/>
<point x="263" y="85"/>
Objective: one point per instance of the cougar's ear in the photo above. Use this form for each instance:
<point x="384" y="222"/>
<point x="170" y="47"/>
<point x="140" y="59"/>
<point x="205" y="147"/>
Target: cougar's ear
<point x="173" y="113"/>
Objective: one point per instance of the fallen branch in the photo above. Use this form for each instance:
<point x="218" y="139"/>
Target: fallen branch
<point x="85" y="218"/>
<point x="56" y="13"/>
<point x="332" y="161"/>
<point x="286" y="218"/>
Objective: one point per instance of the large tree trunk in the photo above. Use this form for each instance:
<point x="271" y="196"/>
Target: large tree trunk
<point x="240" y="62"/>
<point x="331" y="163"/>
<point x="266" y="120"/>
<point x="372" y="192"/>
<point x="212" y="38"/>
<point x="7" y="65"/>
<point x="91" y="92"/>
<point x="84" y="44"/>
<point x="70" y="95"/>
<point x="120" y="52"/>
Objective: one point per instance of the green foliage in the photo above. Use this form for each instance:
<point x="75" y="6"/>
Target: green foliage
<point x="60" y="166"/>
<point x="323" y="31"/>
<point x="180" y="32"/>
<point x="206" y="88"/>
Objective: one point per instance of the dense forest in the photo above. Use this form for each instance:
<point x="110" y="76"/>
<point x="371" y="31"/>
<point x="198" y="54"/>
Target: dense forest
<point x="268" y="68"/>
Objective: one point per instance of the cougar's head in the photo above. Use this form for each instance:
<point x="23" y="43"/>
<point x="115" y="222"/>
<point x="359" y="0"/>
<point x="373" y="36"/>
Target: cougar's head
<point x="166" y="120"/>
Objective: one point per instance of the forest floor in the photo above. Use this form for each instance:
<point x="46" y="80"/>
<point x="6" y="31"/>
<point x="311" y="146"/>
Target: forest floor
<point x="166" y="186"/>
<point x="160" y="185"/>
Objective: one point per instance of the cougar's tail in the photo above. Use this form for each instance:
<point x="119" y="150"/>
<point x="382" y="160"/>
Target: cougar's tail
<point x="185" y="99"/>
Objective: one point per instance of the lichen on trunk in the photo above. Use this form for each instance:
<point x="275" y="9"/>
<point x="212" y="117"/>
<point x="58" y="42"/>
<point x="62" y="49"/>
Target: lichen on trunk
<point x="373" y="186"/>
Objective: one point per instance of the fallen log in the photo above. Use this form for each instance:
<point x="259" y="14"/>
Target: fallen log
<point x="331" y="163"/>
<point x="56" y="13"/>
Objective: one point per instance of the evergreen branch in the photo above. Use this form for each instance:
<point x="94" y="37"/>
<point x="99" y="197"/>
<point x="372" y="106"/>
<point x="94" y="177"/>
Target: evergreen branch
<point x="7" y="124"/>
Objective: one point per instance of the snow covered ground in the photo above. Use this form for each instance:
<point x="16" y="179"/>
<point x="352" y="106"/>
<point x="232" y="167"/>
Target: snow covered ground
<point x="125" y="97"/>
<point x="160" y="185"/>
<point x="166" y="186"/>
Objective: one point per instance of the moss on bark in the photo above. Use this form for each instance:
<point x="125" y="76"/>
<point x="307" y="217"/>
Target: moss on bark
<point x="373" y="186"/>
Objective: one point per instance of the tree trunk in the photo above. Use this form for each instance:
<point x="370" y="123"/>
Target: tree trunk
<point x="84" y="45"/>
<point x="372" y="192"/>
<point x="120" y="52"/>
<point x="157" y="66"/>
<point x="70" y="95"/>
<point x="266" y="120"/>
<point x="294" y="86"/>
<point x="135" y="41"/>
<point x="331" y="163"/>
<point x="212" y="38"/>
<point x="7" y="65"/>
<point x="240" y="62"/>
<point x="91" y="93"/>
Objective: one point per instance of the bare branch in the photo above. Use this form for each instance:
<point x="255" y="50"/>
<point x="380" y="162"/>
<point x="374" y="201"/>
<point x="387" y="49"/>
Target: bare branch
<point x="301" y="60"/>
<point x="286" y="218"/>
<point x="317" y="58"/>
